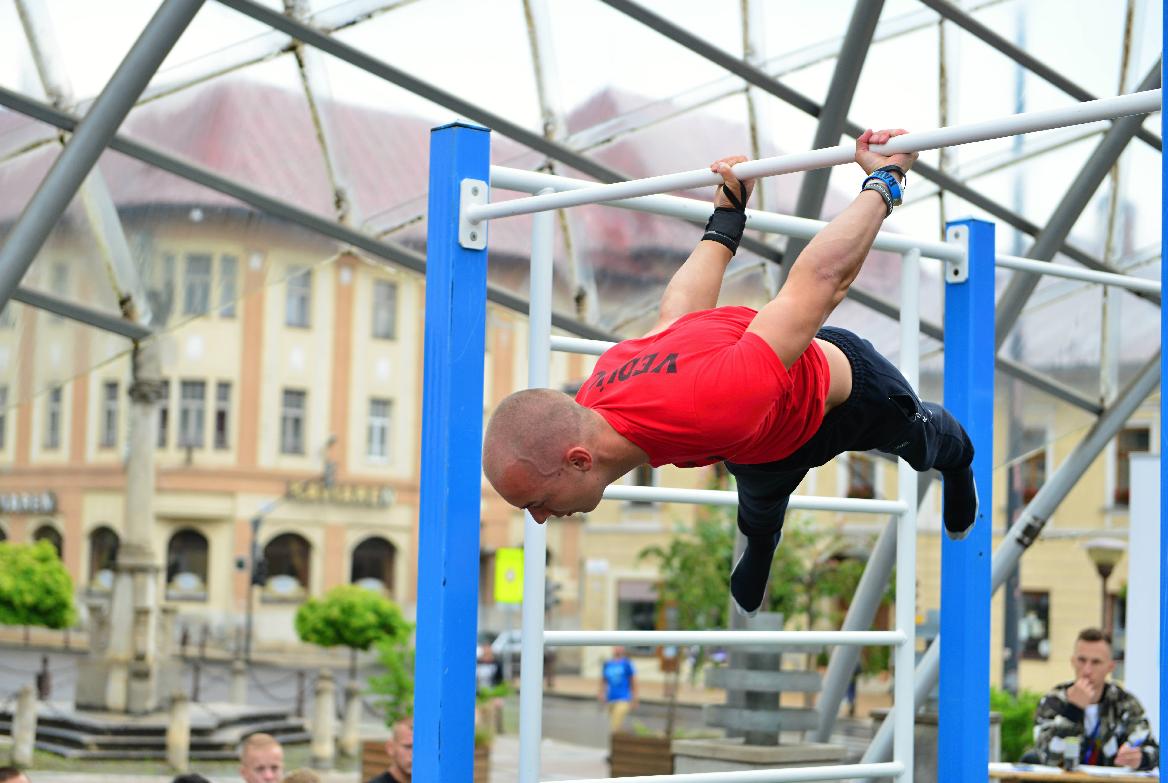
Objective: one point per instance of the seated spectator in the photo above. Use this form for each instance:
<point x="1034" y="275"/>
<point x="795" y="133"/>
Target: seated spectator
<point x="400" y="748"/>
<point x="261" y="759"/>
<point x="190" y="778"/>
<point x="1107" y="722"/>
<point x="12" y="775"/>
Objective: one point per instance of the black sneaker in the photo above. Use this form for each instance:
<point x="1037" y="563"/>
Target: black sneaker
<point x="960" y="502"/>
<point x="748" y="581"/>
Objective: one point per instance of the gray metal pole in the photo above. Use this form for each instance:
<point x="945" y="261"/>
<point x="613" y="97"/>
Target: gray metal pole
<point x="834" y="114"/>
<point x="861" y="614"/>
<point x="1022" y="285"/>
<point x="1025" y="531"/>
<point x="80" y="313"/>
<point x="765" y="82"/>
<point x="1020" y="56"/>
<point x="96" y="129"/>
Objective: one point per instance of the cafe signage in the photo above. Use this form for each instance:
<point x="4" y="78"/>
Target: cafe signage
<point x="316" y="491"/>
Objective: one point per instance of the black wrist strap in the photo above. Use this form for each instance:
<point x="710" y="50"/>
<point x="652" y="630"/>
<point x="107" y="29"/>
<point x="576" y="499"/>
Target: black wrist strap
<point x="737" y="201"/>
<point x="725" y="227"/>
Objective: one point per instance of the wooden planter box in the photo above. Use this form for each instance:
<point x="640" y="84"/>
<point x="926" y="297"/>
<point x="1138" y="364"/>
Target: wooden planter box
<point x="374" y="761"/>
<point x="633" y="754"/>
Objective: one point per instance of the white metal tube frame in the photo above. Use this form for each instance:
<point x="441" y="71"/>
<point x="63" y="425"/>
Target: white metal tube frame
<point x="1028" y="122"/>
<point x="723" y="638"/>
<point x="719" y="497"/>
<point x="789" y="225"/>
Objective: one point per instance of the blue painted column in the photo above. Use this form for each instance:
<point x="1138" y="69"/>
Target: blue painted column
<point x="452" y="424"/>
<point x="963" y="730"/>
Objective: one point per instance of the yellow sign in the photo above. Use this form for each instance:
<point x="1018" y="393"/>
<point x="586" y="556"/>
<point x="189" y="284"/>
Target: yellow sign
<point x="509" y="576"/>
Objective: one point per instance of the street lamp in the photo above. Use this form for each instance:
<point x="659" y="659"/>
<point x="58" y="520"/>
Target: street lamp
<point x="1105" y="553"/>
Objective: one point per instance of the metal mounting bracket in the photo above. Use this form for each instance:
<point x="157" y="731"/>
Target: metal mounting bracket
<point x="472" y="236"/>
<point x="958" y="271"/>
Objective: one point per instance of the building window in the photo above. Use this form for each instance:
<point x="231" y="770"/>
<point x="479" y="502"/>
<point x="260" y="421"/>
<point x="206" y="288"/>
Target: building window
<point x="222" y="414"/>
<point x="161" y="295"/>
<point x="1131" y="440"/>
<point x="384" y="310"/>
<point x="861" y="476"/>
<point x="228" y="285"/>
<point x="292" y="421"/>
<point x="3" y="535"/>
<point x="109" y="414"/>
<point x="197" y="286"/>
<point x="192" y="414"/>
<point x="53" y="418"/>
<point x="47" y="532"/>
<point x="299" y="297"/>
<point x="164" y="415"/>
<point x="1028" y="474"/>
<point x="3" y="416"/>
<point x="643" y="476"/>
<point x="380" y="418"/>
<point x="1034" y="625"/>
<point x="103" y="556"/>
<point x="288" y="557"/>
<point x="186" y="566"/>
<point x="636" y="609"/>
<point x="373" y="565"/>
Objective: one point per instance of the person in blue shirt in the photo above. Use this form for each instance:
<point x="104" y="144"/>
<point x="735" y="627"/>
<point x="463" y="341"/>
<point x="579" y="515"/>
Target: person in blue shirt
<point x="618" y="687"/>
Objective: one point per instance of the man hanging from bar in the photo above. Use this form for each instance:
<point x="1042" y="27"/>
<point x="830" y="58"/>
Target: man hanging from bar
<point x="772" y="393"/>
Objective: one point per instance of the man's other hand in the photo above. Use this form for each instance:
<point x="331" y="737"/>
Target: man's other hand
<point x="1082" y="693"/>
<point x="1129" y="757"/>
<point x="870" y="161"/>
<point x="722" y="167"/>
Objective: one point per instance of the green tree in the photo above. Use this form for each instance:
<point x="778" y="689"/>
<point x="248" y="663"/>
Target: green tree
<point x="1017" y="720"/>
<point x="396" y="686"/>
<point x="349" y="616"/>
<point x="35" y="588"/>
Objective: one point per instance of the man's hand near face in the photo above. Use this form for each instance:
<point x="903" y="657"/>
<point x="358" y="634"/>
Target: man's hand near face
<point x="1083" y="693"/>
<point x="1129" y="757"/>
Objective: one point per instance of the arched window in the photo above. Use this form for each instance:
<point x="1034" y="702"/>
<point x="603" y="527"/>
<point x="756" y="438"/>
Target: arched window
<point x="186" y="566"/>
<point x="47" y="532"/>
<point x="103" y="554"/>
<point x="288" y="557"/>
<point x="373" y="564"/>
<point x="3" y="535"/>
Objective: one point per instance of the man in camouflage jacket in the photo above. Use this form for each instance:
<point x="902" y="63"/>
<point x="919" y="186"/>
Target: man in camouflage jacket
<point x="1108" y="722"/>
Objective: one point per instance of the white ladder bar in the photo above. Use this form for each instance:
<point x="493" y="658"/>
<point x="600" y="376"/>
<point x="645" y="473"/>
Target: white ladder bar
<point x="723" y="638"/>
<point x="722" y="497"/>
<point x="889" y="769"/>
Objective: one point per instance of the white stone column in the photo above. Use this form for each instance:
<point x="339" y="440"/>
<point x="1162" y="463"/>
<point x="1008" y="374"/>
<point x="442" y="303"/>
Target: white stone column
<point x="238" y="682"/>
<point x="324" y="721"/>
<point x="350" y="741"/>
<point x="178" y="733"/>
<point x="24" y="724"/>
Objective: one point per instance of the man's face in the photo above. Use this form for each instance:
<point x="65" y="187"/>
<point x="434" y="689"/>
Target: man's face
<point x="567" y="491"/>
<point x="1092" y="660"/>
<point x="263" y="765"/>
<point x="403" y="749"/>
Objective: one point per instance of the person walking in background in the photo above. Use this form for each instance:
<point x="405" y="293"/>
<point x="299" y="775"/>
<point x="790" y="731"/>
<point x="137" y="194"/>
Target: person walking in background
<point x="1106" y="724"/>
<point x="400" y="748"/>
<point x="618" y="687"/>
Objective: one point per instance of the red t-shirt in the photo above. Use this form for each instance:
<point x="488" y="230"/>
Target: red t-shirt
<point x="706" y="390"/>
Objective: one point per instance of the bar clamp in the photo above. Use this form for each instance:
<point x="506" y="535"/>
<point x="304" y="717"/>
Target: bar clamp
<point x="472" y="235"/>
<point x="958" y="271"/>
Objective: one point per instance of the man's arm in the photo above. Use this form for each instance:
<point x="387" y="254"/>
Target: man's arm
<point x="696" y="284"/>
<point x="1055" y="720"/>
<point x="826" y="268"/>
<point x="1140" y="749"/>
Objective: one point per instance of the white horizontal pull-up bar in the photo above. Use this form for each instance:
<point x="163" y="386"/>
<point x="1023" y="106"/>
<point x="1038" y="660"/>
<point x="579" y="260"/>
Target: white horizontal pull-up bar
<point x="885" y="769"/>
<point x="722" y="497"/>
<point x="723" y="638"/>
<point x="1028" y="122"/>
<point x="1075" y="273"/>
<point x="698" y="211"/>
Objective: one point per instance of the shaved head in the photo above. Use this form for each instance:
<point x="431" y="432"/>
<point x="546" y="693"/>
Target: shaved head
<point x="533" y="427"/>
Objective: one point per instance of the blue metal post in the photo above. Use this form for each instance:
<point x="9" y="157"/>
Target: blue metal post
<point x="963" y="730"/>
<point x="452" y="415"/>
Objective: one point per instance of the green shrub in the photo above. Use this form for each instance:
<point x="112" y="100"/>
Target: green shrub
<point x="1017" y="720"/>
<point x="35" y="588"/>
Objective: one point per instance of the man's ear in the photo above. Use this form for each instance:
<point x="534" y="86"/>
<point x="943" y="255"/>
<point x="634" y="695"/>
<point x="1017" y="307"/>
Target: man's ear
<point x="579" y="458"/>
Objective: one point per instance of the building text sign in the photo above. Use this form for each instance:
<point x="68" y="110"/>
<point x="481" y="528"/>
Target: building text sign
<point x="28" y="503"/>
<point x="316" y="491"/>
